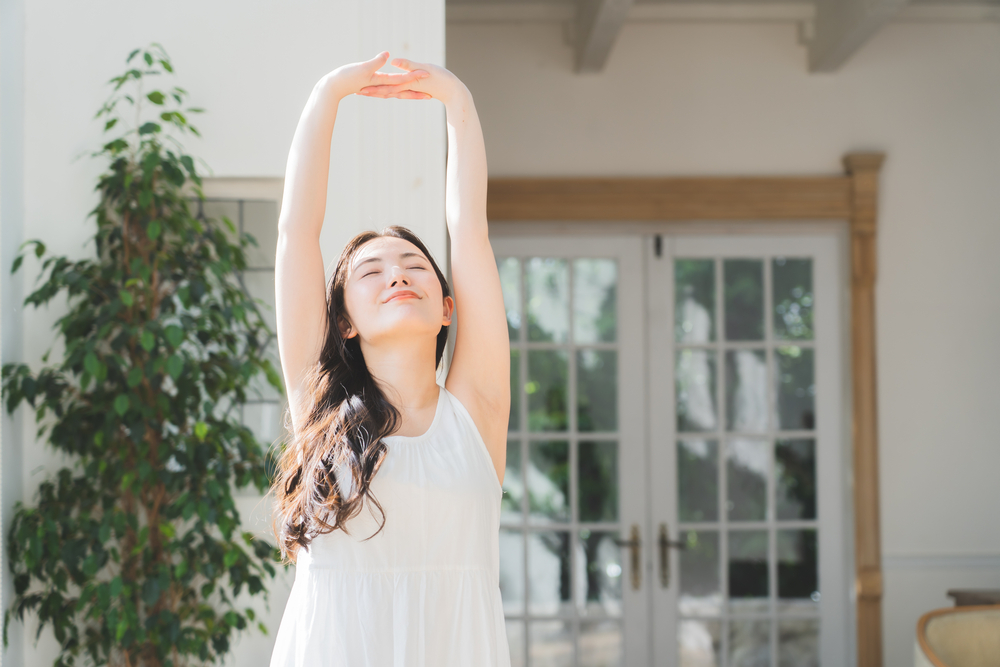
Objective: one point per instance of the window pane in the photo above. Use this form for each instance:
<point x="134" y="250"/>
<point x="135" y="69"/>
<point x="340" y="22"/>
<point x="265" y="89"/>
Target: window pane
<point x="514" y="419"/>
<point x="513" y="485"/>
<point x="260" y="220"/>
<point x="795" y="478"/>
<point x="797" y="566"/>
<point x="512" y="571"/>
<point x="694" y="300"/>
<point x="510" y="283"/>
<point x="746" y="484"/>
<point x="793" y="298"/>
<point x="548" y="481"/>
<point x="595" y="283"/>
<point x="597" y="390"/>
<point x="551" y="644"/>
<point x="695" y="378"/>
<point x="748" y="581"/>
<point x="744" y="299"/>
<point x="548" y="380"/>
<point x="700" y="642"/>
<point x="698" y="480"/>
<point x="600" y="644"/>
<point x="548" y="299"/>
<point x="796" y="388"/>
<point x="549" y="573"/>
<point x="597" y="477"/>
<point x="746" y="390"/>
<point x="516" y="641"/>
<point x="749" y="643"/>
<point x="798" y="642"/>
<point x="700" y="592"/>
<point x="599" y="589"/>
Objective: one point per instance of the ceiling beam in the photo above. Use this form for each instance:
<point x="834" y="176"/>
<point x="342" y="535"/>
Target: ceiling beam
<point x="598" y="23"/>
<point x="843" y="26"/>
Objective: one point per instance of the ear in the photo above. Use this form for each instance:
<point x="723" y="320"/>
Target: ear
<point x="346" y="330"/>
<point x="449" y="309"/>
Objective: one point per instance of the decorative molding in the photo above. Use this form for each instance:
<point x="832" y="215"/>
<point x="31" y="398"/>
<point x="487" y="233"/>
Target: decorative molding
<point x="798" y="199"/>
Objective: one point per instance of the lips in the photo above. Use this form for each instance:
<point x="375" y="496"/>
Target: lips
<point x="401" y="294"/>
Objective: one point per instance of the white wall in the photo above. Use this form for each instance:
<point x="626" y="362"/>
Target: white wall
<point x="252" y="65"/>
<point x="736" y="99"/>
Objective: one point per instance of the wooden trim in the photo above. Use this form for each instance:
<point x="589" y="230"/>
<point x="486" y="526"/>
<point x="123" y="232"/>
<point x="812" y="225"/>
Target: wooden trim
<point x="925" y="620"/>
<point x="852" y="197"/>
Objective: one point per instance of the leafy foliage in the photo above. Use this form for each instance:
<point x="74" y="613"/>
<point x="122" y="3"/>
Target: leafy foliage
<point x="135" y="555"/>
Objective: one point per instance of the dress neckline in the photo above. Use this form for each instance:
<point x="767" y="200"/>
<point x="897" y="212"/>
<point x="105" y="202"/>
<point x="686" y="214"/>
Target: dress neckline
<point x="430" y="429"/>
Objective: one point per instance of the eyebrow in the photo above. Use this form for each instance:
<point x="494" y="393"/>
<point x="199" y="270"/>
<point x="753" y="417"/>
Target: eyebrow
<point x="379" y="259"/>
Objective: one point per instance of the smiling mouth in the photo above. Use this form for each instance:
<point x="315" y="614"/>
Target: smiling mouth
<point x="401" y="295"/>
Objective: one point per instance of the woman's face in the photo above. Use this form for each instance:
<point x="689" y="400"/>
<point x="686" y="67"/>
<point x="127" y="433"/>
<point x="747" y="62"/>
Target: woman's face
<point x="393" y="291"/>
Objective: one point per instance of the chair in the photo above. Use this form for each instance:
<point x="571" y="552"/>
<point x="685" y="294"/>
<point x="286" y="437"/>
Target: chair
<point x="959" y="637"/>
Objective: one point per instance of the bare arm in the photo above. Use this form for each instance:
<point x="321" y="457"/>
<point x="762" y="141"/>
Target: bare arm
<point x="300" y="287"/>
<point x="480" y="367"/>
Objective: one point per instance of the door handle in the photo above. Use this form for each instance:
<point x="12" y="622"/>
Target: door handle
<point x="635" y="548"/>
<point x="666" y="544"/>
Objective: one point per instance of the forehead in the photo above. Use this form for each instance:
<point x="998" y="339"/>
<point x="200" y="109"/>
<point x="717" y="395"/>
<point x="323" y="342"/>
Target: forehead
<point x="384" y="248"/>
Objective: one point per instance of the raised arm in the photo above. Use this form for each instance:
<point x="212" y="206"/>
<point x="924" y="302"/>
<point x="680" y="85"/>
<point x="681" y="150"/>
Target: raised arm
<point x="480" y="367"/>
<point x="300" y="286"/>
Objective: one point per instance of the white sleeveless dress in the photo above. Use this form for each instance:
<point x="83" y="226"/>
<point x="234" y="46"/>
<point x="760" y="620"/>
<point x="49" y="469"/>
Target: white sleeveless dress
<point x="425" y="592"/>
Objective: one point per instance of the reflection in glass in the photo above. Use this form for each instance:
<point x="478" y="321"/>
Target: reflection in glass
<point x="512" y="571"/>
<point x="700" y="642"/>
<point x="798" y="575"/>
<point x="694" y="300"/>
<point x="597" y="480"/>
<point x="547" y="290"/>
<point x="746" y="390"/>
<point x="599" y="573"/>
<point x="594" y="299"/>
<point x="748" y="581"/>
<point x="746" y="480"/>
<point x="551" y="644"/>
<point x="795" y="478"/>
<point x="549" y="573"/>
<point x="510" y="283"/>
<point x="749" y="643"/>
<point x="798" y="642"/>
<point x="547" y="386"/>
<point x="597" y="390"/>
<point x="700" y="590"/>
<point x="695" y="379"/>
<point x="796" y="387"/>
<point x="600" y="644"/>
<point x="743" y="284"/>
<point x="793" y="298"/>
<point x="548" y="481"/>
<point x="514" y="420"/>
<point x="516" y="642"/>
<point x="698" y="480"/>
<point x="513" y="484"/>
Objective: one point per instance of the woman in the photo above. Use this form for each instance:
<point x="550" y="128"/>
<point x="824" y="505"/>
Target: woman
<point x="388" y="496"/>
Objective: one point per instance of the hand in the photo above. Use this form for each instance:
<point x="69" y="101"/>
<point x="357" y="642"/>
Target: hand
<point x="352" y="78"/>
<point x="430" y="81"/>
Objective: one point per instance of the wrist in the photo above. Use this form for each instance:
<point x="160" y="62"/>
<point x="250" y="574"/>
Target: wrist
<point x="332" y="85"/>
<point x="459" y="100"/>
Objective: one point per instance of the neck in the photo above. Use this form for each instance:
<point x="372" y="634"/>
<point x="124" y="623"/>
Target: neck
<point x="405" y="371"/>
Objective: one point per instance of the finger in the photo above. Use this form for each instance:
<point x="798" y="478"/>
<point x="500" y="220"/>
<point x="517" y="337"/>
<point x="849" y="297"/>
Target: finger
<point x="396" y="78"/>
<point x="404" y="63"/>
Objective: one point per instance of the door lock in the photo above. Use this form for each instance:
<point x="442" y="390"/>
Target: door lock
<point x="666" y="544"/>
<point x="635" y="561"/>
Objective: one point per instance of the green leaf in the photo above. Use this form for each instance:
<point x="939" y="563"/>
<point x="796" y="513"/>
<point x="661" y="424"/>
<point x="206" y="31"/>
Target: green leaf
<point x="175" y="364"/>
<point x="153" y="230"/>
<point x="149" y="128"/>
<point x="230" y="558"/>
<point x="110" y="124"/>
<point x="147" y="340"/>
<point x="156" y="97"/>
<point x="91" y="363"/>
<point x="121" y="404"/>
<point x="166" y="66"/>
<point x="135" y="376"/>
<point x="126" y="297"/>
<point x="174" y="335"/>
<point x="116" y="586"/>
<point x="200" y="430"/>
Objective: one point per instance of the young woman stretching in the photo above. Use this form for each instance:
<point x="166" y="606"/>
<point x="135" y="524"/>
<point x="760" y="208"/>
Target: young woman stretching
<point x="388" y="495"/>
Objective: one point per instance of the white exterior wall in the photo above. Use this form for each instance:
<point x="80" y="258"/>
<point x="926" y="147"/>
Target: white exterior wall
<point x="736" y="99"/>
<point x="252" y="66"/>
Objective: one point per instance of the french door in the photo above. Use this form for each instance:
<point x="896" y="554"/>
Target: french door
<point x="674" y="491"/>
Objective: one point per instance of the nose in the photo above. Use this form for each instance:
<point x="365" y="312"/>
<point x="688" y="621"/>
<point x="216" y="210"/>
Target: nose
<point x="398" y="277"/>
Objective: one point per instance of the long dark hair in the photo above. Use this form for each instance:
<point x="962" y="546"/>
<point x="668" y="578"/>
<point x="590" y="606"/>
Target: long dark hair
<point x="344" y="428"/>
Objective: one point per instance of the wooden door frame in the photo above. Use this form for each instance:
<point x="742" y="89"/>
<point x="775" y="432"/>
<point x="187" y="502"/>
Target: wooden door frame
<point x="851" y="197"/>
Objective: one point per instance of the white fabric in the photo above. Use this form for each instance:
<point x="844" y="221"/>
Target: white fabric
<point x="425" y="592"/>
